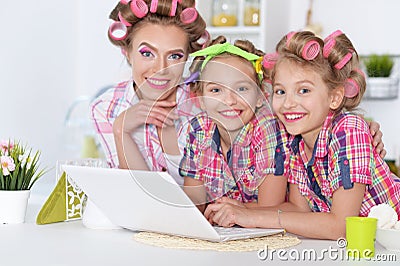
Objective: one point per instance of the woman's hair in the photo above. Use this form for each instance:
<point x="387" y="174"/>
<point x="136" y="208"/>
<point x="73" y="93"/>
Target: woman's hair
<point x="245" y="45"/>
<point x="195" y="29"/>
<point x="334" y="58"/>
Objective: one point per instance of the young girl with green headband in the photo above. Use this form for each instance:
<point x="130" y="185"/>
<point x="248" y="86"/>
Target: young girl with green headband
<point x="230" y="145"/>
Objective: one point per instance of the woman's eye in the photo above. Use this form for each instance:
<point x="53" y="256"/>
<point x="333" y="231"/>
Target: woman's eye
<point x="242" y="89"/>
<point x="146" y="53"/>
<point x="176" y="56"/>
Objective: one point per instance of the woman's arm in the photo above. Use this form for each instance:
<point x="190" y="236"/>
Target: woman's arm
<point x="129" y="155"/>
<point x="377" y="134"/>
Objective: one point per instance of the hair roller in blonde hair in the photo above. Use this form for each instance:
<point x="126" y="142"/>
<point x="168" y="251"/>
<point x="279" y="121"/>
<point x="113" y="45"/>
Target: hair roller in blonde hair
<point x="174" y="5"/>
<point x="118" y="31"/>
<point x="189" y="15"/>
<point x="126" y="23"/>
<point x="333" y="35"/>
<point x="310" y="50"/>
<point x="205" y="37"/>
<point x="153" y="6"/>
<point x="139" y="8"/>
<point x="289" y="36"/>
<point x="125" y="2"/>
<point x="351" y="88"/>
<point x="269" y="60"/>
<point x="339" y="65"/>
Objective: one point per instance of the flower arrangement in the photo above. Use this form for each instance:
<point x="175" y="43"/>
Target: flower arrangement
<point x="18" y="166"/>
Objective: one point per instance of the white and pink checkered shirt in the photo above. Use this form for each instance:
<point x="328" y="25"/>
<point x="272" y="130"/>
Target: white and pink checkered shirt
<point x="106" y="108"/>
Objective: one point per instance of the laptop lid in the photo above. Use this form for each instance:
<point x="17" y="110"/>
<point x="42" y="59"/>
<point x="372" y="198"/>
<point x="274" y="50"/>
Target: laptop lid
<point x="148" y="201"/>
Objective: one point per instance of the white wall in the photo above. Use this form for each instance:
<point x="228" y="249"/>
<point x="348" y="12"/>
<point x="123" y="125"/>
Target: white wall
<point x="52" y="53"/>
<point x="371" y="25"/>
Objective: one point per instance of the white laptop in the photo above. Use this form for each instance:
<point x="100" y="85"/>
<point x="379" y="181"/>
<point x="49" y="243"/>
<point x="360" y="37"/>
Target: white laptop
<point x="151" y="201"/>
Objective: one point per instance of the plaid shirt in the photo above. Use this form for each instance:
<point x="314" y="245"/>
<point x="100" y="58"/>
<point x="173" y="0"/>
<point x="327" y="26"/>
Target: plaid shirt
<point x="106" y="108"/>
<point x="249" y="159"/>
<point x="342" y="155"/>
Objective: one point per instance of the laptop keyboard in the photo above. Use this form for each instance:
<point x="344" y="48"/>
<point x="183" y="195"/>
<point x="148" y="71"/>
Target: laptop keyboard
<point x="226" y="231"/>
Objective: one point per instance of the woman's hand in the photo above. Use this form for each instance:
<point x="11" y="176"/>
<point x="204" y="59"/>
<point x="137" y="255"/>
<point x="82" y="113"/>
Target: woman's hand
<point x="146" y="112"/>
<point x="377" y="134"/>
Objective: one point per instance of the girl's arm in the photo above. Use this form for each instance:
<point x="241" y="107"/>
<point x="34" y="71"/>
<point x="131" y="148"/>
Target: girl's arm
<point x="196" y="191"/>
<point x="271" y="192"/>
<point x="295" y="215"/>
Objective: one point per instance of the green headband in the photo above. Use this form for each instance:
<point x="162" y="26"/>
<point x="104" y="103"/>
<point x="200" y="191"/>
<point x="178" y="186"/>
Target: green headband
<point x="220" y="48"/>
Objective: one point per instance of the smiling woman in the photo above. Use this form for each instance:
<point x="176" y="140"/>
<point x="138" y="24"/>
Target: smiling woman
<point x="146" y="115"/>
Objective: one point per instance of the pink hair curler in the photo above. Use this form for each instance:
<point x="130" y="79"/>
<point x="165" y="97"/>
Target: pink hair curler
<point x="139" y="8"/>
<point x="205" y="37"/>
<point x="123" y="51"/>
<point x="118" y="31"/>
<point x="126" y="23"/>
<point x="359" y="71"/>
<point x="125" y="2"/>
<point x="333" y="35"/>
<point x="289" y="36"/>
<point x="174" y="5"/>
<point x="269" y="60"/>
<point x="153" y="6"/>
<point x="351" y="88"/>
<point x="339" y="65"/>
<point x="328" y="46"/>
<point x="189" y="15"/>
<point x="310" y="50"/>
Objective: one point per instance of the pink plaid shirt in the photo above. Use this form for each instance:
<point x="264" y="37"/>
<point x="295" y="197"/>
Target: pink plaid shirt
<point x="250" y="157"/>
<point x="343" y="155"/>
<point x="106" y="108"/>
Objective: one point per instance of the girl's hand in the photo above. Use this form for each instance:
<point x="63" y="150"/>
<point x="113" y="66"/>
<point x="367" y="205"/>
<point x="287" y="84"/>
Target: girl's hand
<point x="147" y="112"/>
<point x="227" y="215"/>
<point x="377" y="134"/>
<point x="230" y="201"/>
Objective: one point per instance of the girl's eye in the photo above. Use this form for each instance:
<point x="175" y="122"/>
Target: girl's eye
<point x="176" y="56"/>
<point x="304" y="90"/>
<point x="215" y="90"/>
<point x="279" y="92"/>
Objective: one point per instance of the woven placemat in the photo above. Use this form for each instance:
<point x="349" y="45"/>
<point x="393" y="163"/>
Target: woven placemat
<point x="277" y="241"/>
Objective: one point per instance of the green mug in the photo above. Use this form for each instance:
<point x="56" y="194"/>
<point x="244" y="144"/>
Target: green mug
<point x="360" y="236"/>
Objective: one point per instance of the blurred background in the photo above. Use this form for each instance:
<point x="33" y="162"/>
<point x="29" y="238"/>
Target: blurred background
<point x="55" y="57"/>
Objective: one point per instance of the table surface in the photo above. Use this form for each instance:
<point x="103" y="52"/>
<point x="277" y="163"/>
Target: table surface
<point x="71" y="243"/>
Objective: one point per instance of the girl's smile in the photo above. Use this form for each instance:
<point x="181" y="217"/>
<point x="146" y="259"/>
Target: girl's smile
<point x="230" y="94"/>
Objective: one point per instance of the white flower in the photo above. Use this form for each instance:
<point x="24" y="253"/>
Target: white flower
<point x="25" y="159"/>
<point x="7" y="164"/>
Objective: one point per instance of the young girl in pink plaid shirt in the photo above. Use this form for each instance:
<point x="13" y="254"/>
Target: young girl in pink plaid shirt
<point x="334" y="171"/>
